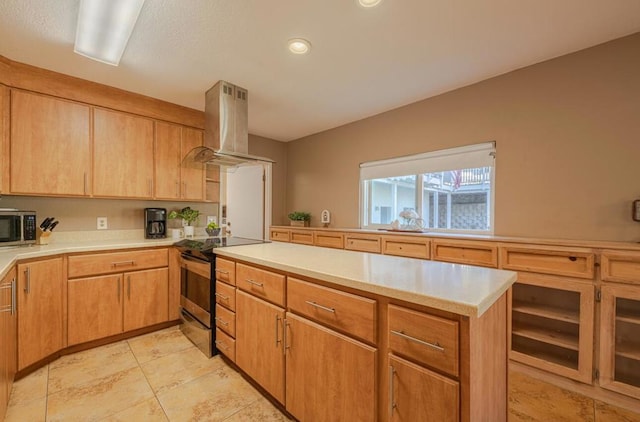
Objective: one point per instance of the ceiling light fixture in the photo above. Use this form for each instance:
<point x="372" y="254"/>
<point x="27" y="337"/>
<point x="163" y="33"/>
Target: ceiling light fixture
<point x="104" y="28"/>
<point x="299" y="46"/>
<point x="369" y="3"/>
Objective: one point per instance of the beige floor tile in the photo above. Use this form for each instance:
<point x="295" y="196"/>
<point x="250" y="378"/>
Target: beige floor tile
<point x="212" y="397"/>
<point x="32" y="411"/>
<point x="608" y="413"/>
<point x="178" y="368"/>
<point x="158" y="344"/>
<point x="82" y="367"/>
<point x="262" y="410"/>
<point x="147" y="411"/>
<point x="534" y="400"/>
<point x="31" y="387"/>
<point x="100" y="397"/>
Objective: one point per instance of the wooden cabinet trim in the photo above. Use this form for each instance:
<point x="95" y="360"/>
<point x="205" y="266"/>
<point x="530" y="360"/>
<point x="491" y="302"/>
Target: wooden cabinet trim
<point x="465" y="252"/>
<point x="301" y="236"/>
<point x="412" y="247"/>
<point x="280" y="235"/>
<point x="116" y="262"/>
<point x="362" y="242"/>
<point x="560" y="261"/>
<point x="620" y="267"/>
<point x="328" y="239"/>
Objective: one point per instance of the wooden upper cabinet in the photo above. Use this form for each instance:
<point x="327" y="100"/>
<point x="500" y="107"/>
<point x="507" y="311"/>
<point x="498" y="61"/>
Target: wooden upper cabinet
<point x="50" y="146"/>
<point x="123" y="155"/>
<point x="4" y="138"/>
<point x="173" y="180"/>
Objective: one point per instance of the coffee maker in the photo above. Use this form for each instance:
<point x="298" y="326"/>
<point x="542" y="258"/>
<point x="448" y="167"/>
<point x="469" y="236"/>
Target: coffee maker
<point x="155" y="220"/>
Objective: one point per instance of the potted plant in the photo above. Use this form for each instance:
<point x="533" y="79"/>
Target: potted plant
<point x="300" y="218"/>
<point x="188" y="216"/>
<point x="213" y="229"/>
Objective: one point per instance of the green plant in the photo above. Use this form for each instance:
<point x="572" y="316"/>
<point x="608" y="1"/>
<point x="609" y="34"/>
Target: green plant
<point x="299" y="216"/>
<point x="187" y="214"/>
<point x="213" y="225"/>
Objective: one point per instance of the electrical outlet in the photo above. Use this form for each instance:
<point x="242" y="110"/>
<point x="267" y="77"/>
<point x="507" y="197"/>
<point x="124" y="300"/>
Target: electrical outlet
<point x="102" y="223"/>
<point x="212" y="218"/>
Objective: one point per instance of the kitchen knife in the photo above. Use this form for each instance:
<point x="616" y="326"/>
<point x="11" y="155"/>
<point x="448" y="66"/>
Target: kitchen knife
<point x="53" y="225"/>
<point x="46" y="223"/>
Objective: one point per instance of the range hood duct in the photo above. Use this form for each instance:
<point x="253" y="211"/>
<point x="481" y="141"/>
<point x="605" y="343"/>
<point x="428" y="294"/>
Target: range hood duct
<point x="226" y="133"/>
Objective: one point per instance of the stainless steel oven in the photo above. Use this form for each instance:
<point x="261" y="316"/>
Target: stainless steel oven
<point x="195" y="301"/>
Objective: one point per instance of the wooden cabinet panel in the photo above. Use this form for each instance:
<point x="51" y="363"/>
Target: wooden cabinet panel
<point x="328" y="239"/>
<point x="259" y="349"/>
<point x="226" y="295"/>
<point x="418" y="394"/>
<point x="264" y="284"/>
<point x="226" y="271"/>
<point x="558" y="261"/>
<point x="5" y="149"/>
<point x="226" y="320"/>
<point x="412" y="247"/>
<point x="114" y="262"/>
<point x="623" y="267"/>
<point x="330" y="377"/>
<point x="50" y="145"/>
<point x="304" y="237"/>
<point x="123" y="155"/>
<point x="465" y="252"/>
<point x="362" y="242"/>
<point x="355" y="315"/>
<point x="146" y="298"/>
<point x="226" y="344"/>
<point x="280" y="235"/>
<point x="428" y="339"/>
<point x="40" y="312"/>
<point x="8" y="338"/>
<point x="94" y="308"/>
<point x="192" y="174"/>
<point x="167" y="160"/>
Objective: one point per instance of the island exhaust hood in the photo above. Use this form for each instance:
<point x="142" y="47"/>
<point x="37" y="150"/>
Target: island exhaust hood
<point x="226" y="133"/>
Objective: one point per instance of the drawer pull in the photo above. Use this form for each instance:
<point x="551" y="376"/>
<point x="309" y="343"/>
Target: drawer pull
<point x="222" y="321"/>
<point x="573" y="259"/>
<point x="392" y="399"/>
<point x="221" y="296"/>
<point x="222" y="272"/>
<point x="255" y="283"/>
<point x="417" y="340"/>
<point x="222" y="345"/>
<point x="120" y="263"/>
<point x="324" y="308"/>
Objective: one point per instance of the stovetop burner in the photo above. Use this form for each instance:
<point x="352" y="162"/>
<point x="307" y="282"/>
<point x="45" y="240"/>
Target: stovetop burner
<point x="204" y="248"/>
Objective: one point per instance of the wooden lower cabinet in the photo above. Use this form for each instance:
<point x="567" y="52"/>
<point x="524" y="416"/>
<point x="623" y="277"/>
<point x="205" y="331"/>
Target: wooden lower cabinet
<point x="329" y="376"/>
<point x="259" y="342"/>
<point x="8" y="337"/>
<point x="40" y="310"/>
<point x="147" y="298"/>
<point x="418" y="394"/>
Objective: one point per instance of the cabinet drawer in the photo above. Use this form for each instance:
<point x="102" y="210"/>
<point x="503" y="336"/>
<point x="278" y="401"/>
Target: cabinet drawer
<point x="226" y="320"/>
<point x="280" y="235"/>
<point x="226" y="344"/>
<point x="558" y="261"/>
<point x="621" y="266"/>
<point x="428" y="339"/>
<point x="114" y="262"/>
<point x="328" y="239"/>
<point x="362" y="242"/>
<point x="302" y="236"/>
<point x="226" y="271"/>
<point x="261" y="283"/>
<point x="226" y="295"/>
<point x="406" y="246"/>
<point x="352" y="314"/>
<point x="462" y="252"/>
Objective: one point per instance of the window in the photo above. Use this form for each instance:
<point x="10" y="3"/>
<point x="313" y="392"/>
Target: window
<point x="448" y="190"/>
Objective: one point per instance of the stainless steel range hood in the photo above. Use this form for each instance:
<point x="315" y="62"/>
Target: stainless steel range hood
<point x="226" y="133"/>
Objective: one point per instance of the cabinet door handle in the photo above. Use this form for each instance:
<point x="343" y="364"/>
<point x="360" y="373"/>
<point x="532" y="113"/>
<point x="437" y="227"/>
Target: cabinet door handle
<point x="255" y="283"/>
<point x="277" y="339"/>
<point x="121" y="263"/>
<point x="118" y="281"/>
<point x="392" y="404"/>
<point x="129" y="287"/>
<point x="221" y="296"/>
<point x="177" y="190"/>
<point x="417" y="340"/>
<point x="222" y="321"/>
<point x="14" y="302"/>
<point x="324" y="308"/>
<point x="285" y="324"/>
<point x="27" y="286"/>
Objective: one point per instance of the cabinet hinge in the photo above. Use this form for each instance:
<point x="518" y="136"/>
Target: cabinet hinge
<point x="598" y="295"/>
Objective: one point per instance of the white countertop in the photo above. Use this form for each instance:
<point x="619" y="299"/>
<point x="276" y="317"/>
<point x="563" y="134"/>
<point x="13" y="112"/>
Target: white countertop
<point x="461" y="289"/>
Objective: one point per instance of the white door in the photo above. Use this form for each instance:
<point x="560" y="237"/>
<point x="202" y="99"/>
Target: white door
<point x="248" y="202"/>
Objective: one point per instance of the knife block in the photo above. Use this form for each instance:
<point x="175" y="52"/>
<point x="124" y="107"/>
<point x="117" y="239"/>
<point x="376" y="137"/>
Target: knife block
<point x="42" y="238"/>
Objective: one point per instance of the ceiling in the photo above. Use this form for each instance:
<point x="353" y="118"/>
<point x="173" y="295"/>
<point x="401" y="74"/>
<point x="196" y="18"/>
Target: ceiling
<point x="362" y="62"/>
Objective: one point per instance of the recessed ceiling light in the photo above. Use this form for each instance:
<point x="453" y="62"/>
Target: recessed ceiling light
<point x="369" y="3"/>
<point x="299" y="46"/>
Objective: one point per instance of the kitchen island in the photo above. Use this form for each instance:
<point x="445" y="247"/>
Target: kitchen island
<point x="424" y="340"/>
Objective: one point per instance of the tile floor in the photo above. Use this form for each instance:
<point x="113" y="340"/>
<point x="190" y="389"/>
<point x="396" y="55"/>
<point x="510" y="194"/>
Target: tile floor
<point x="156" y="377"/>
<point x="162" y="377"/>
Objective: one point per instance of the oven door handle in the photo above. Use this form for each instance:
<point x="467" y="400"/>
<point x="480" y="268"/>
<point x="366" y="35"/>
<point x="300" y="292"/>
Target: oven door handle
<point x="193" y="259"/>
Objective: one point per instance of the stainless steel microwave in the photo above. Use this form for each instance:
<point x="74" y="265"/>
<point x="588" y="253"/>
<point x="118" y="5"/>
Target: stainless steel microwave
<point x="17" y="227"/>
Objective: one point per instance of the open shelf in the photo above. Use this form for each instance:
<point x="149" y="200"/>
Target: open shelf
<point x="533" y="348"/>
<point x="547" y="311"/>
<point x="556" y="338"/>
